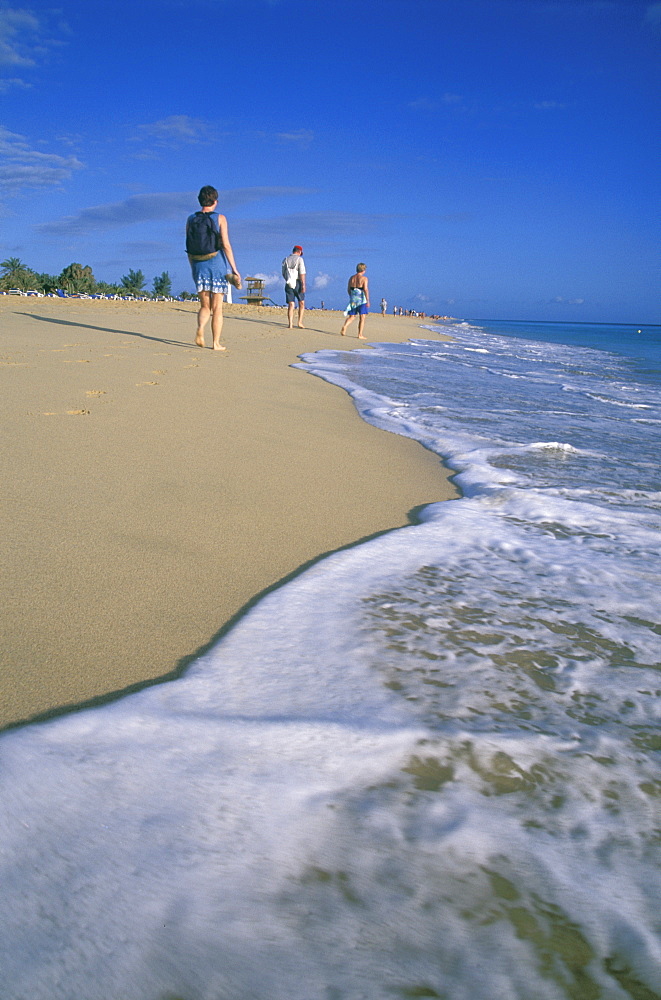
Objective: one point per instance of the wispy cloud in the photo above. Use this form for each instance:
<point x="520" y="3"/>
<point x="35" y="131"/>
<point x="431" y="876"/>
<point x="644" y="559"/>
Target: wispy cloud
<point x="653" y="14"/>
<point x="327" y="223"/>
<point x="549" y="105"/>
<point x="457" y="217"/>
<point x="11" y="82"/>
<point x="154" y="207"/>
<point x="146" y="249"/>
<point x="177" y="130"/>
<point x="18" y="31"/>
<point x="560" y="301"/>
<point x="24" y="167"/>
<point x="25" y="40"/>
<point x="174" y="132"/>
<point x="435" y="103"/>
<point x="302" y="137"/>
<point x="329" y="231"/>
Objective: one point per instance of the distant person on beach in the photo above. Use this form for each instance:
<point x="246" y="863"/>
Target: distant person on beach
<point x="210" y="255"/>
<point x="384" y="306"/>
<point x="359" y="300"/>
<point x="293" y="271"/>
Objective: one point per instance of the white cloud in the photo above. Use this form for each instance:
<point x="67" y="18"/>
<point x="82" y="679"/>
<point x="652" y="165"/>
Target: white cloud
<point x="559" y="301"/>
<point x="23" y="167"/>
<point x="269" y="279"/>
<point x="321" y="280"/>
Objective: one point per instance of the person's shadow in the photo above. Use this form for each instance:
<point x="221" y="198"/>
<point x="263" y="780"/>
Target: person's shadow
<point x="107" y="329"/>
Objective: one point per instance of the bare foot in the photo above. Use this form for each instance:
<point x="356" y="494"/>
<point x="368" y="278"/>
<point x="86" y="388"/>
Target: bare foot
<point x="301" y="327"/>
<point x="218" y="347"/>
<point x="199" y="340"/>
<point x="360" y="337"/>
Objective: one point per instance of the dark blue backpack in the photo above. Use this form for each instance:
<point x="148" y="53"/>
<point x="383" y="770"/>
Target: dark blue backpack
<point x="202" y="236"/>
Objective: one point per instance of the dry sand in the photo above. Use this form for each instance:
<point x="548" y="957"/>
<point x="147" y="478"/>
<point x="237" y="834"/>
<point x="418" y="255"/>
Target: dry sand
<point x="153" y="489"/>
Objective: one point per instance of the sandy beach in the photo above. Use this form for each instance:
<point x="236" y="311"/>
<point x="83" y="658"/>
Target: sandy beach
<point x="153" y="490"/>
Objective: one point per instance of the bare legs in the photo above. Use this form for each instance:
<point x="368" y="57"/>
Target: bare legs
<point x="361" y="323"/>
<point x="290" y="315"/>
<point x="211" y="305"/>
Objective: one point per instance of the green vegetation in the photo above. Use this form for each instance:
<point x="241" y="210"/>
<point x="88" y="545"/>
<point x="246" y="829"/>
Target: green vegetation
<point x="163" y="285"/>
<point x="78" y="280"/>
<point x="15" y="274"/>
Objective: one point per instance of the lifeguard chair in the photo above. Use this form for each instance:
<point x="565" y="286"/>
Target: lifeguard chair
<point x="255" y="291"/>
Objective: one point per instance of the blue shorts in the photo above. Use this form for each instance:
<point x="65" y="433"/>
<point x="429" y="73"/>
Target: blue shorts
<point x="294" y="293"/>
<point x="209" y="275"/>
<point x="358" y="310"/>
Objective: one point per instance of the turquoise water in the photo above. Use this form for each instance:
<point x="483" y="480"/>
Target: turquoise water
<point x="638" y="343"/>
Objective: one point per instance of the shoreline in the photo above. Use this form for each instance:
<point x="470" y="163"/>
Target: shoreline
<point x="157" y="490"/>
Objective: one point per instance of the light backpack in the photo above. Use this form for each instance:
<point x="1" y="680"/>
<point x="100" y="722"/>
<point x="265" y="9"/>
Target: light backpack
<point x="289" y="273"/>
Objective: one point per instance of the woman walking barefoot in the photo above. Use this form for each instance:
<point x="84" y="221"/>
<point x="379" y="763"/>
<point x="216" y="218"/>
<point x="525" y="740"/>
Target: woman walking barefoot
<point x="210" y="255"/>
<point x="359" y="300"/>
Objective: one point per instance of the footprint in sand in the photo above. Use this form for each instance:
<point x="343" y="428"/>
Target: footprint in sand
<point x="146" y="383"/>
<point x="72" y="413"/>
<point x="191" y="366"/>
<point x="77" y="361"/>
<point x="14" y="364"/>
<point x="95" y="392"/>
<point x="159" y="371"/>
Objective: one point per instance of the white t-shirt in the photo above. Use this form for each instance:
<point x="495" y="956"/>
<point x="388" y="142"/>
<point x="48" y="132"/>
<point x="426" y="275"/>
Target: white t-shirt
<point x="292" y="268"/>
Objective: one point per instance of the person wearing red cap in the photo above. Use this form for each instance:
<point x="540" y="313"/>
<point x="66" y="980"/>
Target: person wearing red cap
<point x="293" y="271"/>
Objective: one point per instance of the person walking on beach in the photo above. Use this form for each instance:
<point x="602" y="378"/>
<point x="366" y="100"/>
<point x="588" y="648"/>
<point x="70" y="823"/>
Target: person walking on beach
<point x="359" y="300"/>
<point x="384" y="306"/>
<point x="293" y="271"/>
<point x="210" y="255"/>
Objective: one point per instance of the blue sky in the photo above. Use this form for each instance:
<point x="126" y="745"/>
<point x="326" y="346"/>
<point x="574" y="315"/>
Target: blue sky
<point x="486" y="158"/>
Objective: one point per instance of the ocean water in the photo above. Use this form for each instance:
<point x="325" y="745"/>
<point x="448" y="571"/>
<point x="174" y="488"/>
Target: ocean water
<point x="426" y="767"/>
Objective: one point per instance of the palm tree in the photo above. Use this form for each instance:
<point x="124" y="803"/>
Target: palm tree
<point x="15" y="274"/>
<point x="76" y="278"/>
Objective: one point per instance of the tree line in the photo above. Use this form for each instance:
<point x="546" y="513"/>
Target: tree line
<point x="76" y="279"/>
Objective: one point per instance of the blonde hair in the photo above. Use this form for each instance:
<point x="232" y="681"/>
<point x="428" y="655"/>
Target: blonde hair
<point x="361" y="267"/>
